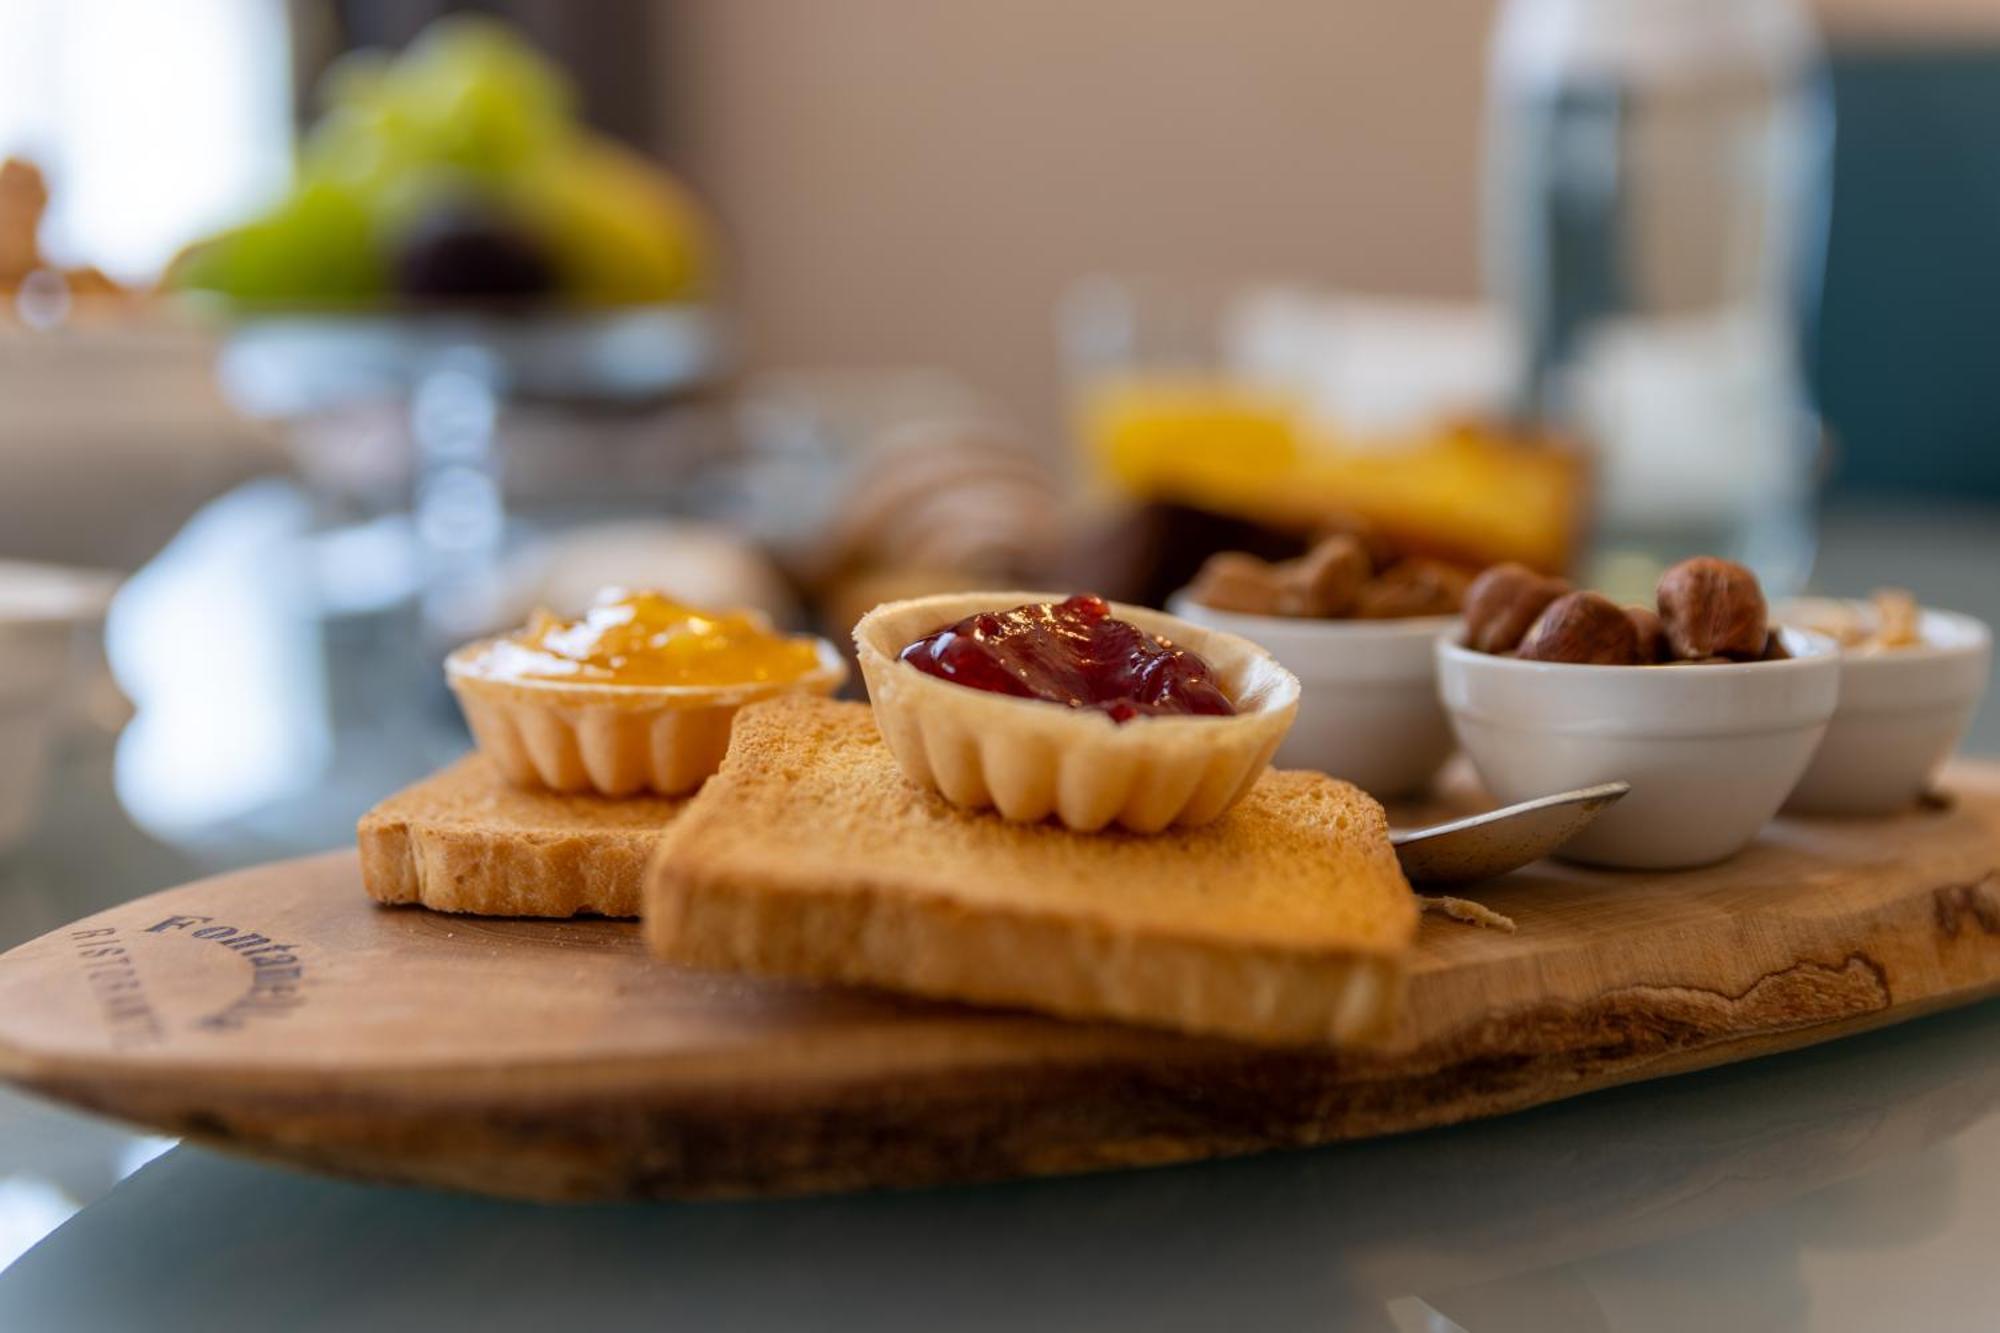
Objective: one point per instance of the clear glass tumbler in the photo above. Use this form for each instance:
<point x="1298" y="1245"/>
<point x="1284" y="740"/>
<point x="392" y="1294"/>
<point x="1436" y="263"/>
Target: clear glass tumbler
<point x="1657" y="190"/>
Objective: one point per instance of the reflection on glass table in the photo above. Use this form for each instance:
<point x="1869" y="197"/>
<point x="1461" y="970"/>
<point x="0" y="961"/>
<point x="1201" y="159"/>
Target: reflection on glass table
<point x="82" y="856"/>
<point x="243" y="663"/>
<point x="1851" y="1186"/>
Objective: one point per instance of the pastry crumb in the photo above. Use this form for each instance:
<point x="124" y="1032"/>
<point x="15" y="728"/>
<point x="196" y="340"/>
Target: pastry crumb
<point x="1467" y="911"/>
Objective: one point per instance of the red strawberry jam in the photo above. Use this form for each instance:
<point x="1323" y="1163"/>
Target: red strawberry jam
<point x="1073" y="653"/>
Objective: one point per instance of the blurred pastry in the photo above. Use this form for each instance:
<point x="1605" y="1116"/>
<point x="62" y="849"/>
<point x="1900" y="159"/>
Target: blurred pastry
<point x="936" y="507"/>
<point x="24" y="196"/>
<point x="44" y="293"/>
<point x="704" y="563"/>
<point x="1473" y="493"/>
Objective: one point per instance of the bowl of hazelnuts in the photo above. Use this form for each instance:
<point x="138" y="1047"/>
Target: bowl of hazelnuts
<point x="1358" y="623"/>
<point x="1709" y="710"/>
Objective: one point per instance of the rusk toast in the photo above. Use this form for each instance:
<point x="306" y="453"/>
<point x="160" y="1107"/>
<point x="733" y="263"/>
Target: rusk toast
<point x="810" y="855"/>
<point x="464" y="840"/>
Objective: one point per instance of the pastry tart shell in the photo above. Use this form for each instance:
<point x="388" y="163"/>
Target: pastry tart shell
<point x="615" y="740"/>
<point x="1030" y="759"/>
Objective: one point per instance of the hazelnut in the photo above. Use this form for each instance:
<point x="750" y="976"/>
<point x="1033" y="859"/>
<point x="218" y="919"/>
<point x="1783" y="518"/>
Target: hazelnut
<point x="1503" y="602"/>
<point x="1652" y="634"/>
<point x="1584" y="627"/>
<point x="1233" y="581"/>
<point x="1412" y="588"/>
<point x="1774" y="648"/>
<point x="1712" y="608"/>
<point x="1324" y="581"/>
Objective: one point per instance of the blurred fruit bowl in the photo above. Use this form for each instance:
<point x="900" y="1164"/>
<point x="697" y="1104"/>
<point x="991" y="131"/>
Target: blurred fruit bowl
<point x="456" y="175"/>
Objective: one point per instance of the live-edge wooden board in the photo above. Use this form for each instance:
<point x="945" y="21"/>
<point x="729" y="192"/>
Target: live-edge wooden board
<point x="278" y="1012"/>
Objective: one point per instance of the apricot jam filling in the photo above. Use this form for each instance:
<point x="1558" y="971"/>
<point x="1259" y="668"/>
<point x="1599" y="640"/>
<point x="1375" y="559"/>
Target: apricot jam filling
<point x="647" y="638"/>
<point x="1074" y="653"/>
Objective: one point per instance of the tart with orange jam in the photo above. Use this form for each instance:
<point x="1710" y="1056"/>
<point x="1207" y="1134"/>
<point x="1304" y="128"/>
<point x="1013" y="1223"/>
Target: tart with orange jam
<point x="1091" y="712"/>
<point x="636" y="695"/>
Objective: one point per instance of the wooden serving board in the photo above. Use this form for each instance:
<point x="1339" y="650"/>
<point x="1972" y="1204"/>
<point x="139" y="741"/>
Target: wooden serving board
<point x="279" y="1012"/>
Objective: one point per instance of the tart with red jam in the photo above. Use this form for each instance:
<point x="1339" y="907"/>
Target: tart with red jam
<point x="1093" y="712"/>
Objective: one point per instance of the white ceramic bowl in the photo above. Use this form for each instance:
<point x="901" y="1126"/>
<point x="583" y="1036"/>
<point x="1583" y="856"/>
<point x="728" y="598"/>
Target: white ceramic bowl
<point x="1368" y="698"/>
<point x="1901" y="713"/>
<point x="1711" y="751"/>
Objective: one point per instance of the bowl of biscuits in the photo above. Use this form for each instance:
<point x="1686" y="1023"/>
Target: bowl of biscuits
<point x="1911" y="678"/>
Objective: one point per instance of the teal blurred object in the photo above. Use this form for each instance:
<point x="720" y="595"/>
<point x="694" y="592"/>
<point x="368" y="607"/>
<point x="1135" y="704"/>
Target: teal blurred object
<point x="1908" y="359"/>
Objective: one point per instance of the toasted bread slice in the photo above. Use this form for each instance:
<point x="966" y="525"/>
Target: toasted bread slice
<point x="810" y="855"/>
<point x="464" y="840"/>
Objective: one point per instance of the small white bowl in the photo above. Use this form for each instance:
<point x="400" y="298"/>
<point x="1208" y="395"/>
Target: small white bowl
<point x="1711" y="751"/>
<point x="1901" y="713"/>
<point x="1368" y="700"/>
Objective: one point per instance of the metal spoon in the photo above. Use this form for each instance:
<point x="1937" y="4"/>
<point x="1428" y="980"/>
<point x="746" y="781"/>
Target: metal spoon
<point x="1493" y="843"/>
